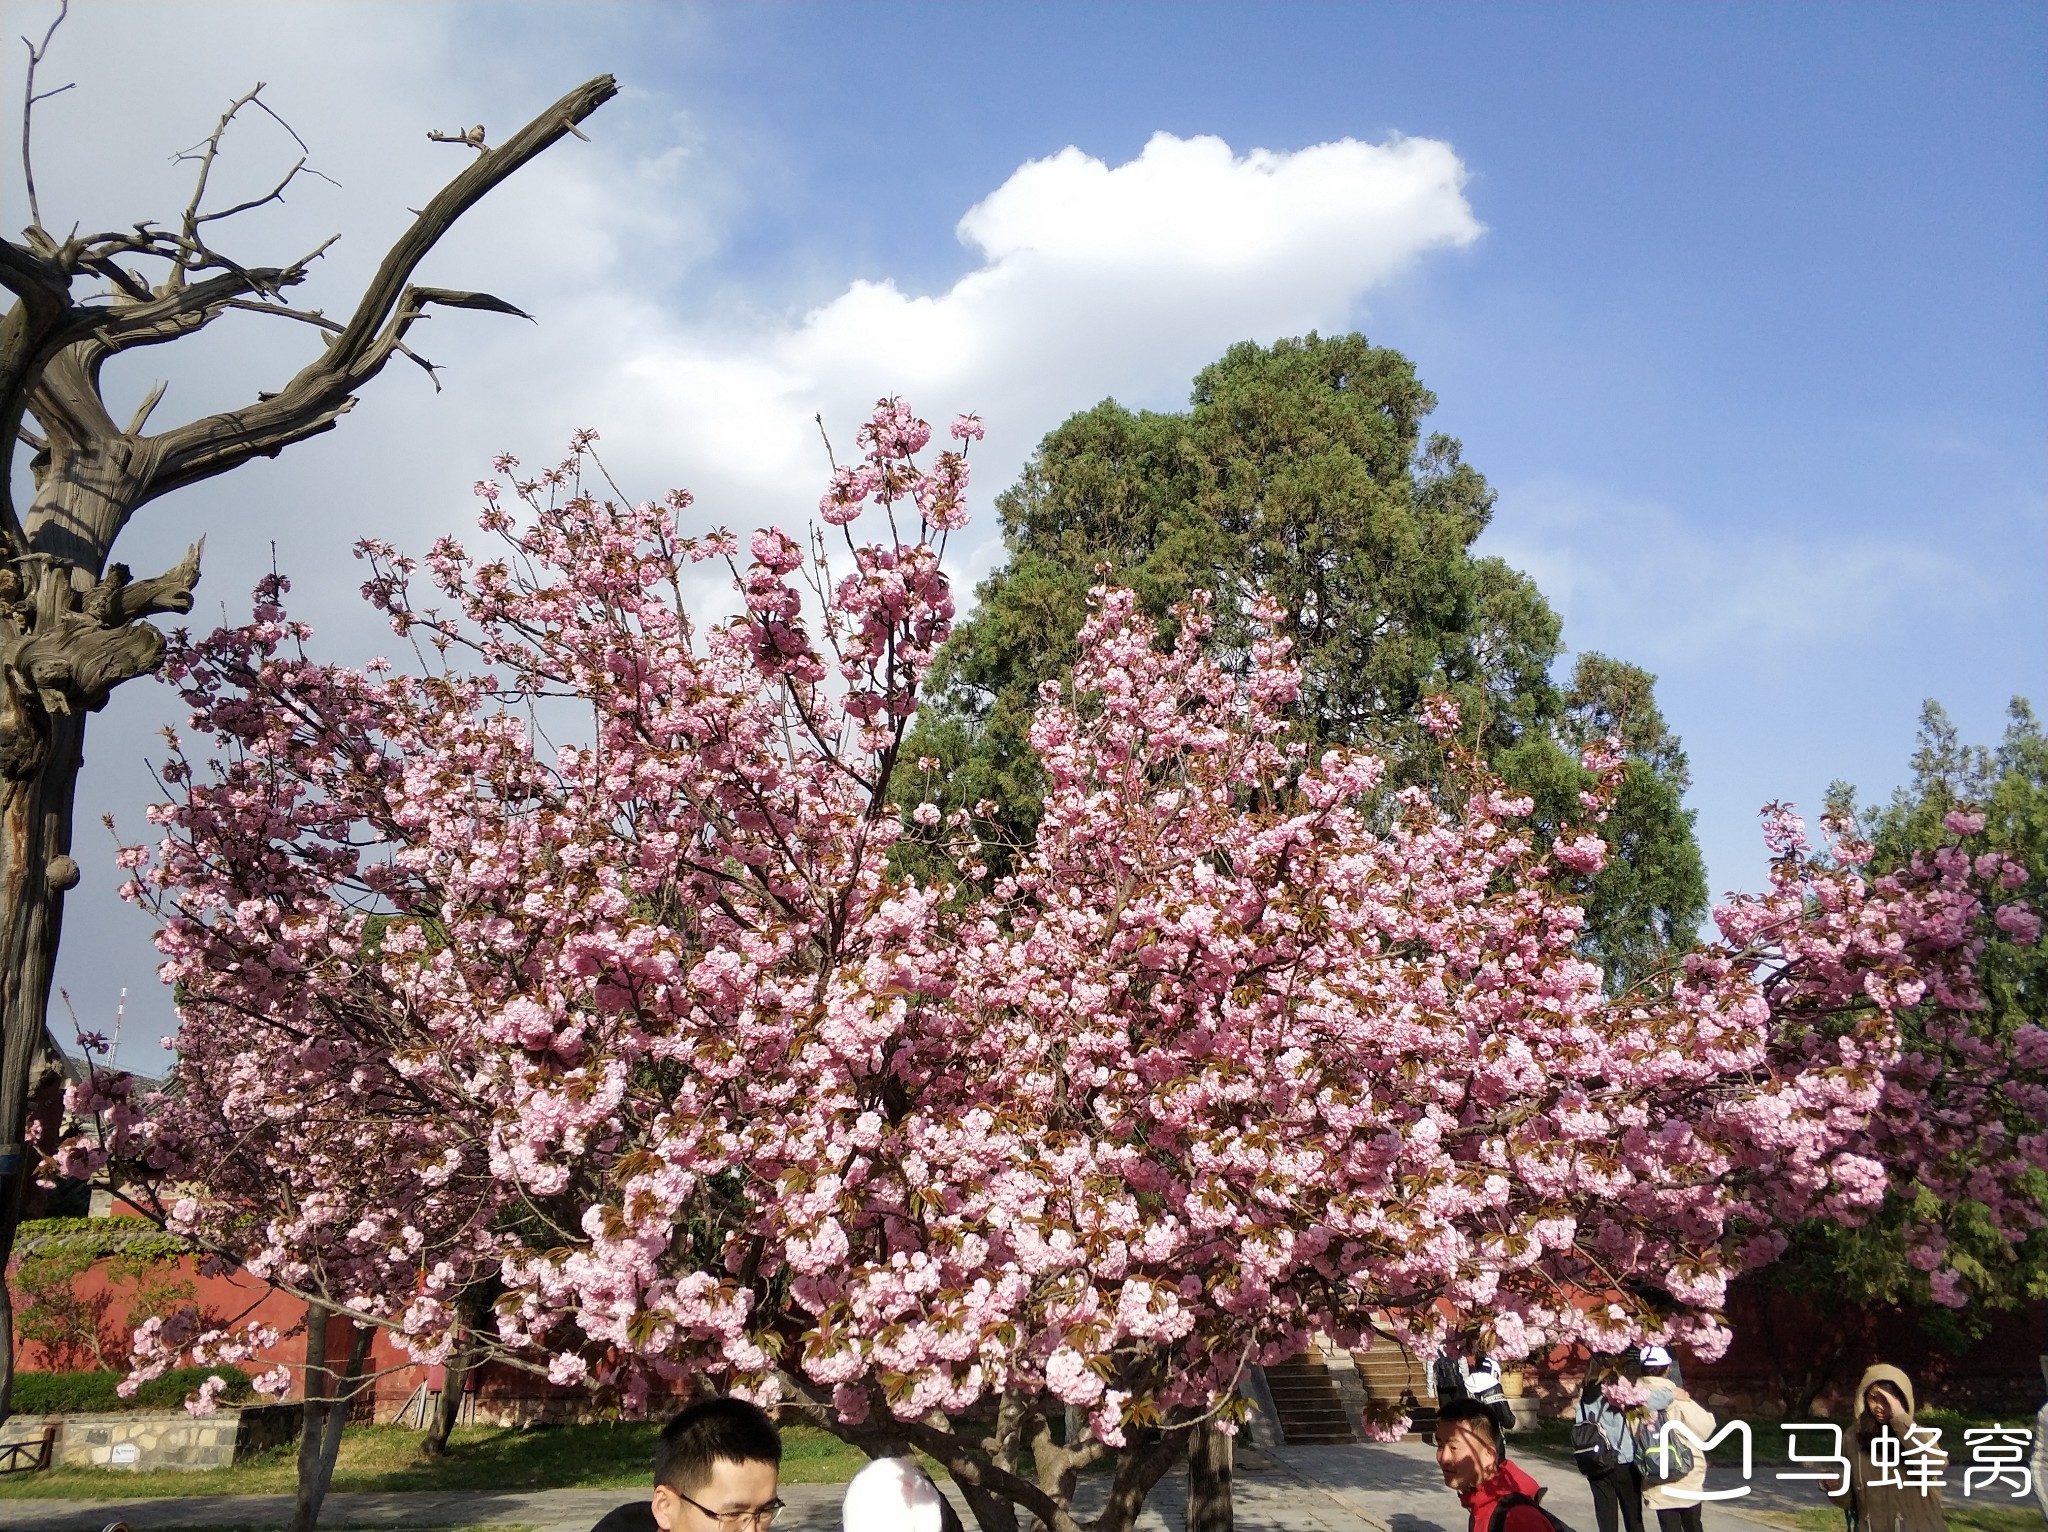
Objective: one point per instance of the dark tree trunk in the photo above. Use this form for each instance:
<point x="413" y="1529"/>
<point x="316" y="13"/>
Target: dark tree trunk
<point x="329" y="1396"/>
<point x="1140" y="1465"/>
<point x="67" y="638"/>
<point x="1210" y="1453"/>
<point x="435" y="1443"/>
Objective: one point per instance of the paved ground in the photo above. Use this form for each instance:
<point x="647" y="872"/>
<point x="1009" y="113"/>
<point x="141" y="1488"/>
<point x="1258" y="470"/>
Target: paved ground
<point x="1364" y="1488"/>
<point x="1396" y="1488"/>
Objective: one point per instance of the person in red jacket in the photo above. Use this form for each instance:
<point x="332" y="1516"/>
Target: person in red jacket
<point x="1474" y="1462"/>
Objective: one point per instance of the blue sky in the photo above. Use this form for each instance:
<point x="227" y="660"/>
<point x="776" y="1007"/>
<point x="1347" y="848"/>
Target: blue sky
<point x="1742" y="308"/>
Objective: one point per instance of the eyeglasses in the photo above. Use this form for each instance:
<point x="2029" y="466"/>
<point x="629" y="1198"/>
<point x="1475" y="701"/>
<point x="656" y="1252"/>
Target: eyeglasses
<point x="734" y="1521"/>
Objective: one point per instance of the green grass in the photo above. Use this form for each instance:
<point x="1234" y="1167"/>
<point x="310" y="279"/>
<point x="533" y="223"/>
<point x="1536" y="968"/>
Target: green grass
<point x="501" y="1459"/>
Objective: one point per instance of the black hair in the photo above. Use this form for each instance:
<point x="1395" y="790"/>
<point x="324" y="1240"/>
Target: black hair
<point x="1452" y="1411"/>
<point x="712" y="1431"/>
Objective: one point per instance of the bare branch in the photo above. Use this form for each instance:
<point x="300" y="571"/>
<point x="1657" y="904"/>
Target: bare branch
<point x="334" y="327"/>
<point x="28" y="109"/>
<point x="304" y="316"/>
<point x="474" y="137"/>
<point x="275" y="194"/>
<point x="149" y="402"/>
<point x="122" y="278"/>
<point x="324" y="390"/>
<point x="265" y="105"/>
<point x="205" y="152"/>
<point x="169" y="592"/>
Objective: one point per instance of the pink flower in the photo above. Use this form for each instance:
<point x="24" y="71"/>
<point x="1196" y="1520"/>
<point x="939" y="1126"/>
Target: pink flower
<point x="1626" y="1393"/>
<point x="664" y="1045"/>
<point x="1585" y="854"/>
<point x="207" y="1398"/>
<point x="2019" y="923"/>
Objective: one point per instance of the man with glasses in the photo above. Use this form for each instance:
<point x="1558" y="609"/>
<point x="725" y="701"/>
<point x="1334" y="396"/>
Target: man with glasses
<point x="715" y="1470"/>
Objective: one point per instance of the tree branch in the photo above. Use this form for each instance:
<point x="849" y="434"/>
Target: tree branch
<point x="29" y="98"/>
<point x="167" y="593"/>
<point x="205" y="152"/>
<point x="179" y="310"/>
<point x="334" y="327"/>
<point x="142" y="410"/>
<point x="324" y="390"/>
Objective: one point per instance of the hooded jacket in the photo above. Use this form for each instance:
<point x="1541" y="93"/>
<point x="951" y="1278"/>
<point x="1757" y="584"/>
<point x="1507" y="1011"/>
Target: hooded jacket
<point x="1892" y="1507"/>
<point x="1674" y="1404"/>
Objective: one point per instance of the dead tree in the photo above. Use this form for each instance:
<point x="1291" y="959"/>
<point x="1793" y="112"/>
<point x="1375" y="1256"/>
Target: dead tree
<point x="73" y="626"/>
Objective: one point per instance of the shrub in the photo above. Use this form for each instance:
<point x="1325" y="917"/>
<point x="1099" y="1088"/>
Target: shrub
<point x="87" y="1393"/>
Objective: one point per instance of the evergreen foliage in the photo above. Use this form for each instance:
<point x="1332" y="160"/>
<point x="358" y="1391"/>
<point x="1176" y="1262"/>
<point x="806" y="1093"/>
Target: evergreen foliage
<point x="1300" y="472"/>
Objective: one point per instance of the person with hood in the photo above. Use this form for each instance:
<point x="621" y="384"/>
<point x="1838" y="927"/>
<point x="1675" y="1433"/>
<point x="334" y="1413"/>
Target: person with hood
<point x="1883" y="1493"/>
<point x="1604" y="1445"/>
<point x="1674" y="1499"/>
<point x="1496" y="1494"/>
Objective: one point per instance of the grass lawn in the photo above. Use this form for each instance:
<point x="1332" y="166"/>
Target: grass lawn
<point x="485" y="1458"/>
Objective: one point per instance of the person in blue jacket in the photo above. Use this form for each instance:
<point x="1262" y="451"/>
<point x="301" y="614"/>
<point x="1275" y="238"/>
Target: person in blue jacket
<point x="1606" y="1454"/>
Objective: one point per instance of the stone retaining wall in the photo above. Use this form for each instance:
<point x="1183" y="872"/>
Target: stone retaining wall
<point x="141" y="1439"/>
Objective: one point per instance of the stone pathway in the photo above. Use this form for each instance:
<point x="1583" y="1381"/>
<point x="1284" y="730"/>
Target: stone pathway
<point x="1396" y="1488"/>
<point x="1368" y="1487"/>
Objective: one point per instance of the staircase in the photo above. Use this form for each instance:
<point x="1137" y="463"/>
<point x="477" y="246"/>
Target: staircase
<point x="1305" y="1399"/>
<point x="1389" y="1373"/>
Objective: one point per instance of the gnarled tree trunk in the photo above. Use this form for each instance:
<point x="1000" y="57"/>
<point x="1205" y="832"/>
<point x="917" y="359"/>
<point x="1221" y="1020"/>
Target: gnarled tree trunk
<point x="73" y="626"/>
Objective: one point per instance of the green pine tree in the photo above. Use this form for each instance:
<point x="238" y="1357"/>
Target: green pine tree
<point x="1300" y="473"/>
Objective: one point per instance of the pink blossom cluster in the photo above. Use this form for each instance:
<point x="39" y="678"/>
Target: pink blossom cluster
<point x="652" y="1030"/>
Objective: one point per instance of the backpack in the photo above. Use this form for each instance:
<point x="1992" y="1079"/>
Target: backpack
<point x="1495" y="1398"/>
<point x="1590" y="1446"/>
<point x="1499" y="1520"/>
<point x="1663" y="1460"/>
<point x="1592" y="1450"/>
<point x="1450" y="1382"/>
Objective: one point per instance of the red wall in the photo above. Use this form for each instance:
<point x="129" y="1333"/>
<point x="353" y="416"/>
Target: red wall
<point x="503" y="1394"/>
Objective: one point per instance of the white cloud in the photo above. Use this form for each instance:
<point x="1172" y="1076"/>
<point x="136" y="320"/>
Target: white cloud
<point x="1091" y="279"/>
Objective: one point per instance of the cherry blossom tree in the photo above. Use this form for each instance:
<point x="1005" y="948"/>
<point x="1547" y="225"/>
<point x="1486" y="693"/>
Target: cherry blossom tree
<point x="586" y="958"/>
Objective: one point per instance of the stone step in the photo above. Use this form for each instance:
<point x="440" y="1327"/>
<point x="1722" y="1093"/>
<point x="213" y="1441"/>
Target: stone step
<point x="1306" y="1400"/>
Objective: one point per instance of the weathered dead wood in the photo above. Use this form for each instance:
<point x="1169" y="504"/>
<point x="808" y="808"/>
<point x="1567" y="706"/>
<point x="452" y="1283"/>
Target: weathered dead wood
<point x="73" y="626"/>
